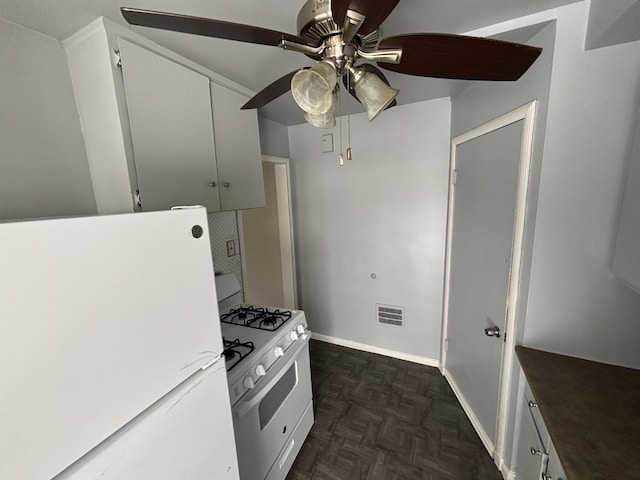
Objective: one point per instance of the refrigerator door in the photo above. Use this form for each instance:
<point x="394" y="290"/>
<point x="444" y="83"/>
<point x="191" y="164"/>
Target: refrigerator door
<point x="100" y="317"/>
<point x="185" y="435"/>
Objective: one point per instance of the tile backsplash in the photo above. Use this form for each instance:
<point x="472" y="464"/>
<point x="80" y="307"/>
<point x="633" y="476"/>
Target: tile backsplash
<point x="223" y="226"/>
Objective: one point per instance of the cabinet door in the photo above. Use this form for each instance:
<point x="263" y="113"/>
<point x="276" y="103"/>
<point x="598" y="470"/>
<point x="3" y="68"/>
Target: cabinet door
<point x="554" y="467"/>
<point x="169" y="110"/>
<point x="626" y="257"/>
<point x="531" y="457"/>
<point x="237" y="151"/>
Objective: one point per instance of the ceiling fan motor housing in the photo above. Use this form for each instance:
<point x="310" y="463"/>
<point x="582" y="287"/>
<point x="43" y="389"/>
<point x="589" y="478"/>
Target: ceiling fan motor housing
<point x="315" y="23"/>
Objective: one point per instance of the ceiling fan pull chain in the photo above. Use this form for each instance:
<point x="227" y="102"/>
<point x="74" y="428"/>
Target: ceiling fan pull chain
<point x="340" y="157"/>
<point x="348" y="121"/>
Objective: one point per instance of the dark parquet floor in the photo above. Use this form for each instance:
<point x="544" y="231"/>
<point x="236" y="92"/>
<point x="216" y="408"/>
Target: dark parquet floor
<point x="380" y="418"/>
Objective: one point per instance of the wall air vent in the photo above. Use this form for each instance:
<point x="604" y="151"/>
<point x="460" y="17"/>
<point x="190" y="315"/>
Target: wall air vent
<point x="390" y="315"/>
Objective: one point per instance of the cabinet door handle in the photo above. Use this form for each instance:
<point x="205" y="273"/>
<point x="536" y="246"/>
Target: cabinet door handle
<point x="532" y="404"/>
<point x="227" y="184"/>
<point x="212" y="184"/>
<point x="534" y="451"/>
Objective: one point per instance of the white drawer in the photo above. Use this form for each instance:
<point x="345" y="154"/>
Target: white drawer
<point x="531" y="456"/>
<point x="532" y="405"/>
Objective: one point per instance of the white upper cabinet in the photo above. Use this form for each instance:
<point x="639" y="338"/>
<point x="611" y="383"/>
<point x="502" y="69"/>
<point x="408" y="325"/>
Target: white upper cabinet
<point x="237" y="150"/>
<point x="160" y="130"/>
<point x="171" y="130"/>
<point x="626" y="257"/>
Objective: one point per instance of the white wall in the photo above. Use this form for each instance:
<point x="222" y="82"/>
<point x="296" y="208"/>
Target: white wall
<point x="575" y="305"/>
<point x="43" y="164"/>
<point x="384" y="212"/>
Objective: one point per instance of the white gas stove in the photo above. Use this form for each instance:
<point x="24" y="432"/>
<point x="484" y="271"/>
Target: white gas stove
<point x="268" y="372"/>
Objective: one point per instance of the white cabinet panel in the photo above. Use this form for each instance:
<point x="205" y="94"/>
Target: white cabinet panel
<point x="554" y="468"/>
<point x="149" y="126"/>
<point x="237" y="150"/>
<point x="531" y="456"/>
<point x="171" y="129"/>
<point x="626" y="258"/>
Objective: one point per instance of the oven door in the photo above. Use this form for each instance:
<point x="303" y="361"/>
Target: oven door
<point x="266" y="418"/>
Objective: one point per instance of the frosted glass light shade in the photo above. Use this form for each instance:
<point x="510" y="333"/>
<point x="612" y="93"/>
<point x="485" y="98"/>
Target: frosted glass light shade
<point x="373" y="93"/>
<point x="312" y="88"/>
<point x="327" y="119"/>
<point x="322" y="120"/>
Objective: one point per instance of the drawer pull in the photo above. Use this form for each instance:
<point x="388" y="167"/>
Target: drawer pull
<point x="532" y="404"/>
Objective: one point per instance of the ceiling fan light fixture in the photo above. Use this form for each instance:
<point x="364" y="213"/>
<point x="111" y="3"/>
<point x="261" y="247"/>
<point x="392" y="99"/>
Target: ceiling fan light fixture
<point x="373" y="93"/>
<point x="327" y="119"/>
<point x="312" y="88"/>
<point x="321" y="120"/>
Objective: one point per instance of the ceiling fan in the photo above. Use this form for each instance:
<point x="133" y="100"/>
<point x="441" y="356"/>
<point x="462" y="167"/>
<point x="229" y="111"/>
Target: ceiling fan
<point x="338" y="34"/>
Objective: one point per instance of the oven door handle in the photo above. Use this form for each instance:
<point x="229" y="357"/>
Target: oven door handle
<point x="249" y="402"/>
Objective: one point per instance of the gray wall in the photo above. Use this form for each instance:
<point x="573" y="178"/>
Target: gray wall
<point x="483" y="101"/>
<point x="43" y="164"/>
<point x="384" y="212"/>
<point x="274" y="138"/>
<point x="571" y="303"/>
<point x="575" y="305"/>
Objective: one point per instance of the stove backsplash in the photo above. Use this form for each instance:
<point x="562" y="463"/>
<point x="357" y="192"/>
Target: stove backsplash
<point x="223" y="226"/>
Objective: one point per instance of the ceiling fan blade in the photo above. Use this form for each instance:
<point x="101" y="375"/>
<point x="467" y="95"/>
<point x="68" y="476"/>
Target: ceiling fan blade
<point x="207" y="27"/>
<point x="459" y="57"/>
<point x="372" y="69"/>
<point x="375" y="12"/>
<point x="271" y="91"/>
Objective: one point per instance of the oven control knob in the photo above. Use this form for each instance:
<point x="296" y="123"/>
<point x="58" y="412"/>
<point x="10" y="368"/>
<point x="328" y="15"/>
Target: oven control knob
<point x="248" y="382"/>
<point x="260" y="371"/>
<point x="293" y="336"/>
<point x="278" y="351"/>
<point x="300" y="329"/>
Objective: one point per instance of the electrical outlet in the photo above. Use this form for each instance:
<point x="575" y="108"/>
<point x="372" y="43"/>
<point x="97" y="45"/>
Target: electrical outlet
<point x="231" y="248"/>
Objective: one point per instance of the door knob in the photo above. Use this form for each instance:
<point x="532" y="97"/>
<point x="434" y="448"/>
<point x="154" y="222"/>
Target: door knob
<point x="492" y="331"/>
<point x="212" y="184"/>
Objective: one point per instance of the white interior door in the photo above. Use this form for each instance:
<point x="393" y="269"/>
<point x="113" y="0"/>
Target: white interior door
<point x="490" y="171"/>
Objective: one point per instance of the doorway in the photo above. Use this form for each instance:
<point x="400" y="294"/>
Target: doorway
<point x="487" y="198"/>
<point x="266" y="241"/>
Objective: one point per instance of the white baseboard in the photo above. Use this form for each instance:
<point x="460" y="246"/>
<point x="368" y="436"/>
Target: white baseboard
<point x="487" y="442"/>
<point x="431" y="362"/>
<point x="508" y="474"/>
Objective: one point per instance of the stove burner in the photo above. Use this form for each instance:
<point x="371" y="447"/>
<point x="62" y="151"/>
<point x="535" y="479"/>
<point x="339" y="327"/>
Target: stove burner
<point x="257" y="317"/>
<point x="229" y="353"/>
<point x="270" y="321"/>
<point x="235" y="351"/>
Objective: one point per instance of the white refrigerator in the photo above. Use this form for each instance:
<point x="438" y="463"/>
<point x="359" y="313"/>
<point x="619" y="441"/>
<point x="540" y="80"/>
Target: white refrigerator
<point x="111" y="360"/>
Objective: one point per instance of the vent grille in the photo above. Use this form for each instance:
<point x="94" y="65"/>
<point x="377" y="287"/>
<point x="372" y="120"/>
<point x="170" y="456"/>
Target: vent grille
<point x="390" y="315"/>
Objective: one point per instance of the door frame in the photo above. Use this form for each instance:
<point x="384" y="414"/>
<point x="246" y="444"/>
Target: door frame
<point x="285" y="226"/>
<point x="526" y="113"/>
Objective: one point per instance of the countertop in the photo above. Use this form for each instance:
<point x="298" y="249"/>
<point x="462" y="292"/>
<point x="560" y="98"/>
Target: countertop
<point x="592" y="412"/>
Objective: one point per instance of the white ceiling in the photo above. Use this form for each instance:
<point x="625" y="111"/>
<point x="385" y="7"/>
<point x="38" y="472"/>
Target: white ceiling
<point x="255" y="66"/>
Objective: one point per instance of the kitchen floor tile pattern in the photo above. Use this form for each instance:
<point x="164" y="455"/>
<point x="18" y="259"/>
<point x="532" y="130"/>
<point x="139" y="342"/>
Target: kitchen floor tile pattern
<point x="380" y="418"/>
